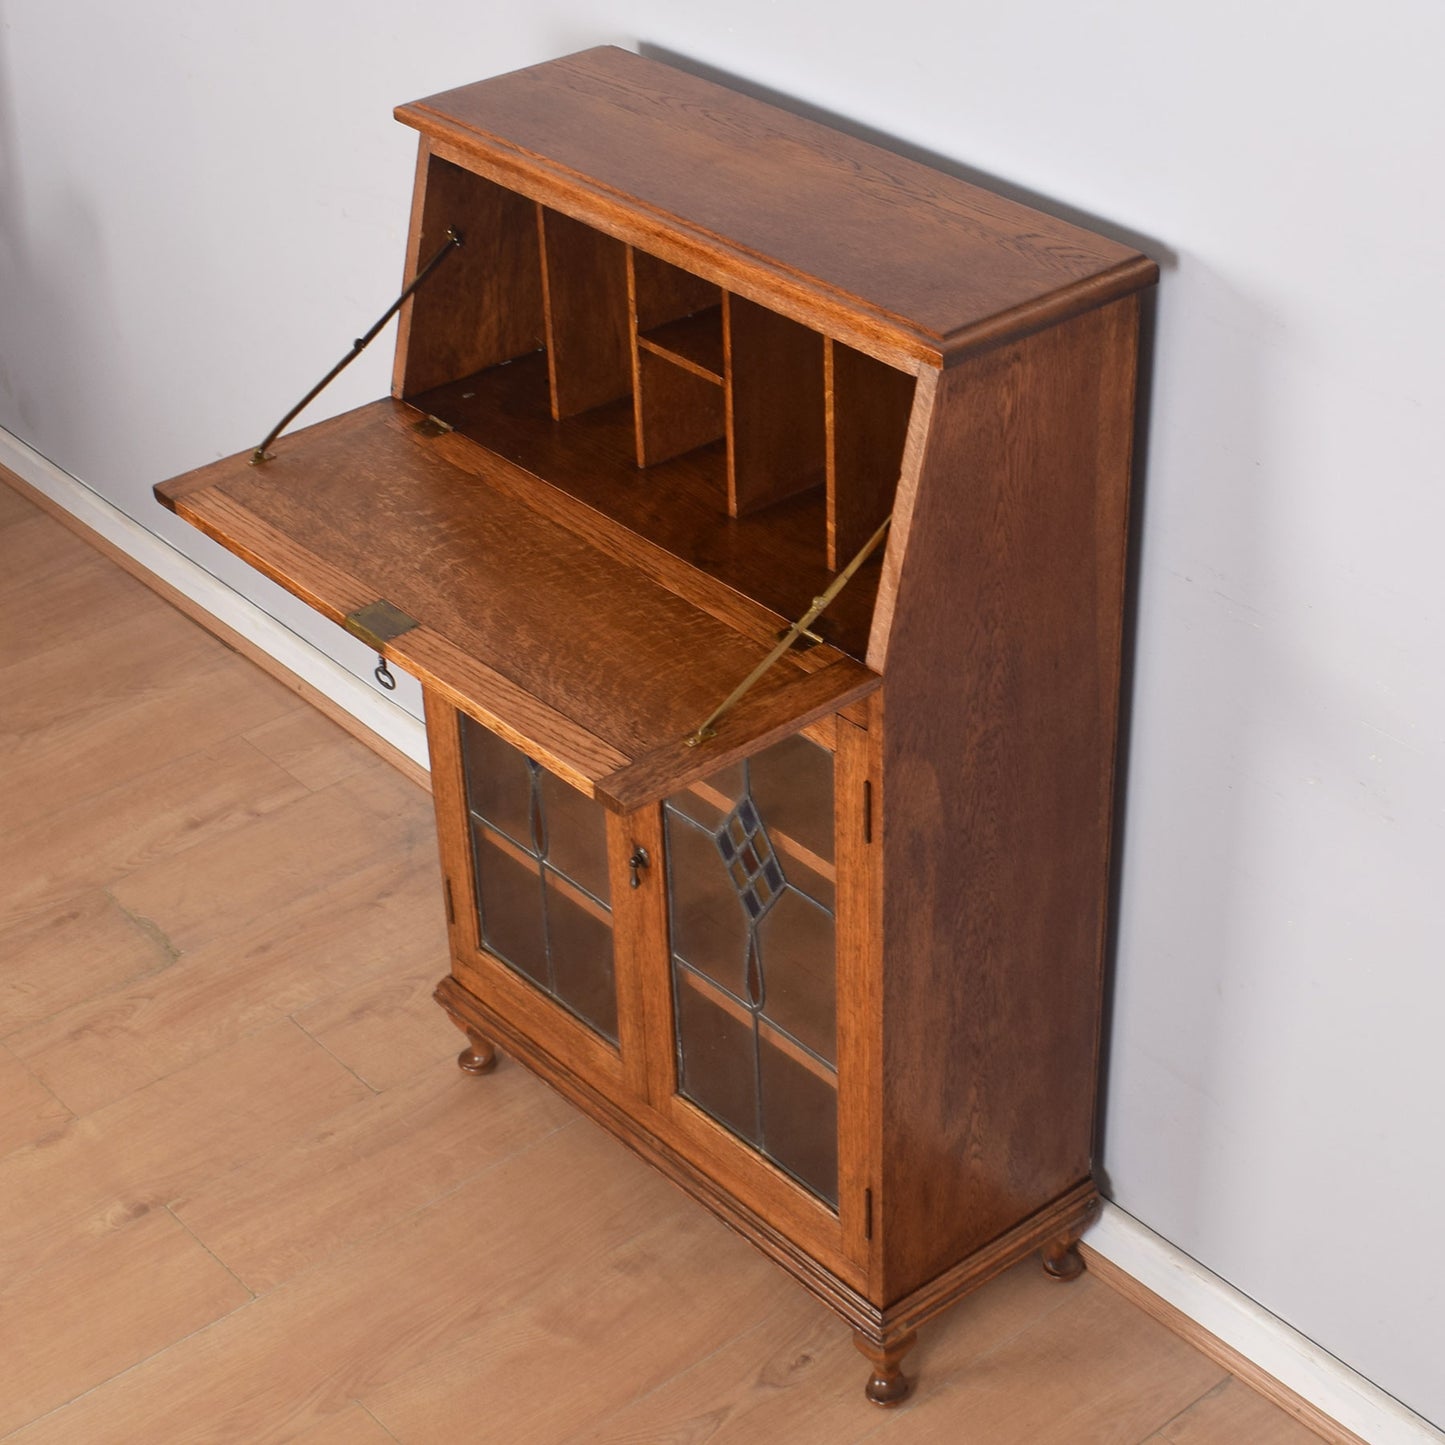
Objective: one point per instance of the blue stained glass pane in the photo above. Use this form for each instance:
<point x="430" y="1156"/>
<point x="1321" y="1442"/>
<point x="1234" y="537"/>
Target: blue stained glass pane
<point x="751" y="862"/>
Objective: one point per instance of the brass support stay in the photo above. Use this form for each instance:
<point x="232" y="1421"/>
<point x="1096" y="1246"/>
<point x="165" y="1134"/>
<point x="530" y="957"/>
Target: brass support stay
<point x="261" y="454"/>
<point x="708" y="727"/>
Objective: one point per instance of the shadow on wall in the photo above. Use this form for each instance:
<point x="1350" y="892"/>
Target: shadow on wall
<point x="1184" y="734"/>
<point x="1149" y="245"/>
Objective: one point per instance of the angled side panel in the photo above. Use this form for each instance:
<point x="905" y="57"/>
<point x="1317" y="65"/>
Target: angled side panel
<point x="1001" y="700"/>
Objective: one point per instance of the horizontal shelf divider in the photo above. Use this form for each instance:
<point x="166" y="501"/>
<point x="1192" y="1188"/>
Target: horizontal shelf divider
<point x="694" y="342"/>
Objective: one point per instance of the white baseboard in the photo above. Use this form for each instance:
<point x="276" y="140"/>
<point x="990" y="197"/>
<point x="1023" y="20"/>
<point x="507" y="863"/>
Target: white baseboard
<point x="1251" y="1331"/>
<point x="1214" y="1305"/>
<point x="372" y="711"/>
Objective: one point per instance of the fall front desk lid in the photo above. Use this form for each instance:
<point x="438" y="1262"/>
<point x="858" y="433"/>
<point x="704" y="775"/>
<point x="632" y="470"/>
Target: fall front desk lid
<point x="585" y="661"/>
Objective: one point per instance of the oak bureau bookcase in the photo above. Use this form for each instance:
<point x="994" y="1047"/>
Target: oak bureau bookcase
<point x="820" y="939"/>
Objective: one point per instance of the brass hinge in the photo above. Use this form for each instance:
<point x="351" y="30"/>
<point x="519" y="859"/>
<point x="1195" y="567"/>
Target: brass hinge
<point x="867" y="810"/>
<point x="867" y="1214"/>
<point x="432" y="426"/>
<point x="451" y="909"/>
<point x="378" y="623"/>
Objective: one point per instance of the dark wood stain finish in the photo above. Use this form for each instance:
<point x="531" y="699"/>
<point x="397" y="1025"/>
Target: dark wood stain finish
<point x="694" y="351"/>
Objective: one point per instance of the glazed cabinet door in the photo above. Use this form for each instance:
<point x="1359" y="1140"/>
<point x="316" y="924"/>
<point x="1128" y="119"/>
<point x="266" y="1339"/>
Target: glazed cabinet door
<point x="531" y="867"/>
<point x="700" y="961"/>
<point x="765" y="889"/>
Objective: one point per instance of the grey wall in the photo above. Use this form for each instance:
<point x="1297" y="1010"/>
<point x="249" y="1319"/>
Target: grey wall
<point x="200" y="203"/>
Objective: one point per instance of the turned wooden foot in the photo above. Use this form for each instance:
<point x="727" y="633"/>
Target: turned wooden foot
<point x="479" y="1057"/>
<point x="1062" y="1260"/>
<point x="887" y="1385"/>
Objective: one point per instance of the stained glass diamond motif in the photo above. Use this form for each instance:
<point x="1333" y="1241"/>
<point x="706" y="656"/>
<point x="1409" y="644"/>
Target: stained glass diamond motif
<point x="751" y="863"/>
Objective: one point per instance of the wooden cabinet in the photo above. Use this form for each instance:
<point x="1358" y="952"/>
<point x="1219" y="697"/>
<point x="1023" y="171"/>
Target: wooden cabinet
<point x="825" y="948"/>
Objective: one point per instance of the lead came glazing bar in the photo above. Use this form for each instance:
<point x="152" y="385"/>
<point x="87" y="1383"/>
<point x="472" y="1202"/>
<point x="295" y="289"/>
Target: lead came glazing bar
<point x="539" y="864"/>
<point x="753" y="943"/>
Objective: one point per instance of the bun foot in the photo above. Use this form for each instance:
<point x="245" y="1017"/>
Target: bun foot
<point x="1062" y="1260"/>
<point x="479" y="1057"/>
<point x="887" y="1385"/>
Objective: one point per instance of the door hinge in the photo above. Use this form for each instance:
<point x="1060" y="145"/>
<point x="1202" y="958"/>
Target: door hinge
<point x="867" y="810"/>
<point x="451" y="908"/>
<point x="867" y="1214"/>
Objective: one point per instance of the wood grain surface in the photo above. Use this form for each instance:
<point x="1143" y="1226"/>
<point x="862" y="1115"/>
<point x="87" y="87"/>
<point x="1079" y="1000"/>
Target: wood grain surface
<point x="849" y="238"/>
<point x="565" y="645"/>
<point x="997" y="788"/>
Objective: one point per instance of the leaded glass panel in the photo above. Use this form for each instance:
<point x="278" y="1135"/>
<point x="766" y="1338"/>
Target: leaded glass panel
<point x="751" y="889"/>
<point x="539" y="870"/>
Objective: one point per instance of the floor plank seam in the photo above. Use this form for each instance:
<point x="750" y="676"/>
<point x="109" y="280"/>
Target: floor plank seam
<point x="130" y="1369"/>
<point x="1157" y="1433"/>
<point x="391" y="1226"/>
<point x="172" y="955"/>
<point x="60" y="1125"/>
<point x="331" y="1054"/>
<point x="207" y="1248"/>
<point x="365" y="1410"/>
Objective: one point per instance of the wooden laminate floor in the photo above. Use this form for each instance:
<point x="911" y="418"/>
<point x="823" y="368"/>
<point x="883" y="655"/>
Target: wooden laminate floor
<point x="246" y="1197"/>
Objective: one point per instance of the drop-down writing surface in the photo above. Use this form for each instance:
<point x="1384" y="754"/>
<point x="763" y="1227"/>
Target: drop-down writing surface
<point x="591" y="663"/>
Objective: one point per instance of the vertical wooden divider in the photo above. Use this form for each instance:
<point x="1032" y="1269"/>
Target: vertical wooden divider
<point x="449" y="800"/>
<point x="676" y="407"/>
<point x="858" y="830"/>
<point x="633" y="351"/>
<point x="641" y="955"/>
<point x="585" y="298"/>
<point x="774" y="385"/>
<point x="867" y="405"/>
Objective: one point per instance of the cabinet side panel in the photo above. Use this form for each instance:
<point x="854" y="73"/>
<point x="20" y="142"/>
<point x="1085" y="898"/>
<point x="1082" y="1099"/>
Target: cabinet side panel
<point x="1001" y="691"/>
<point x="483" y="305"/>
